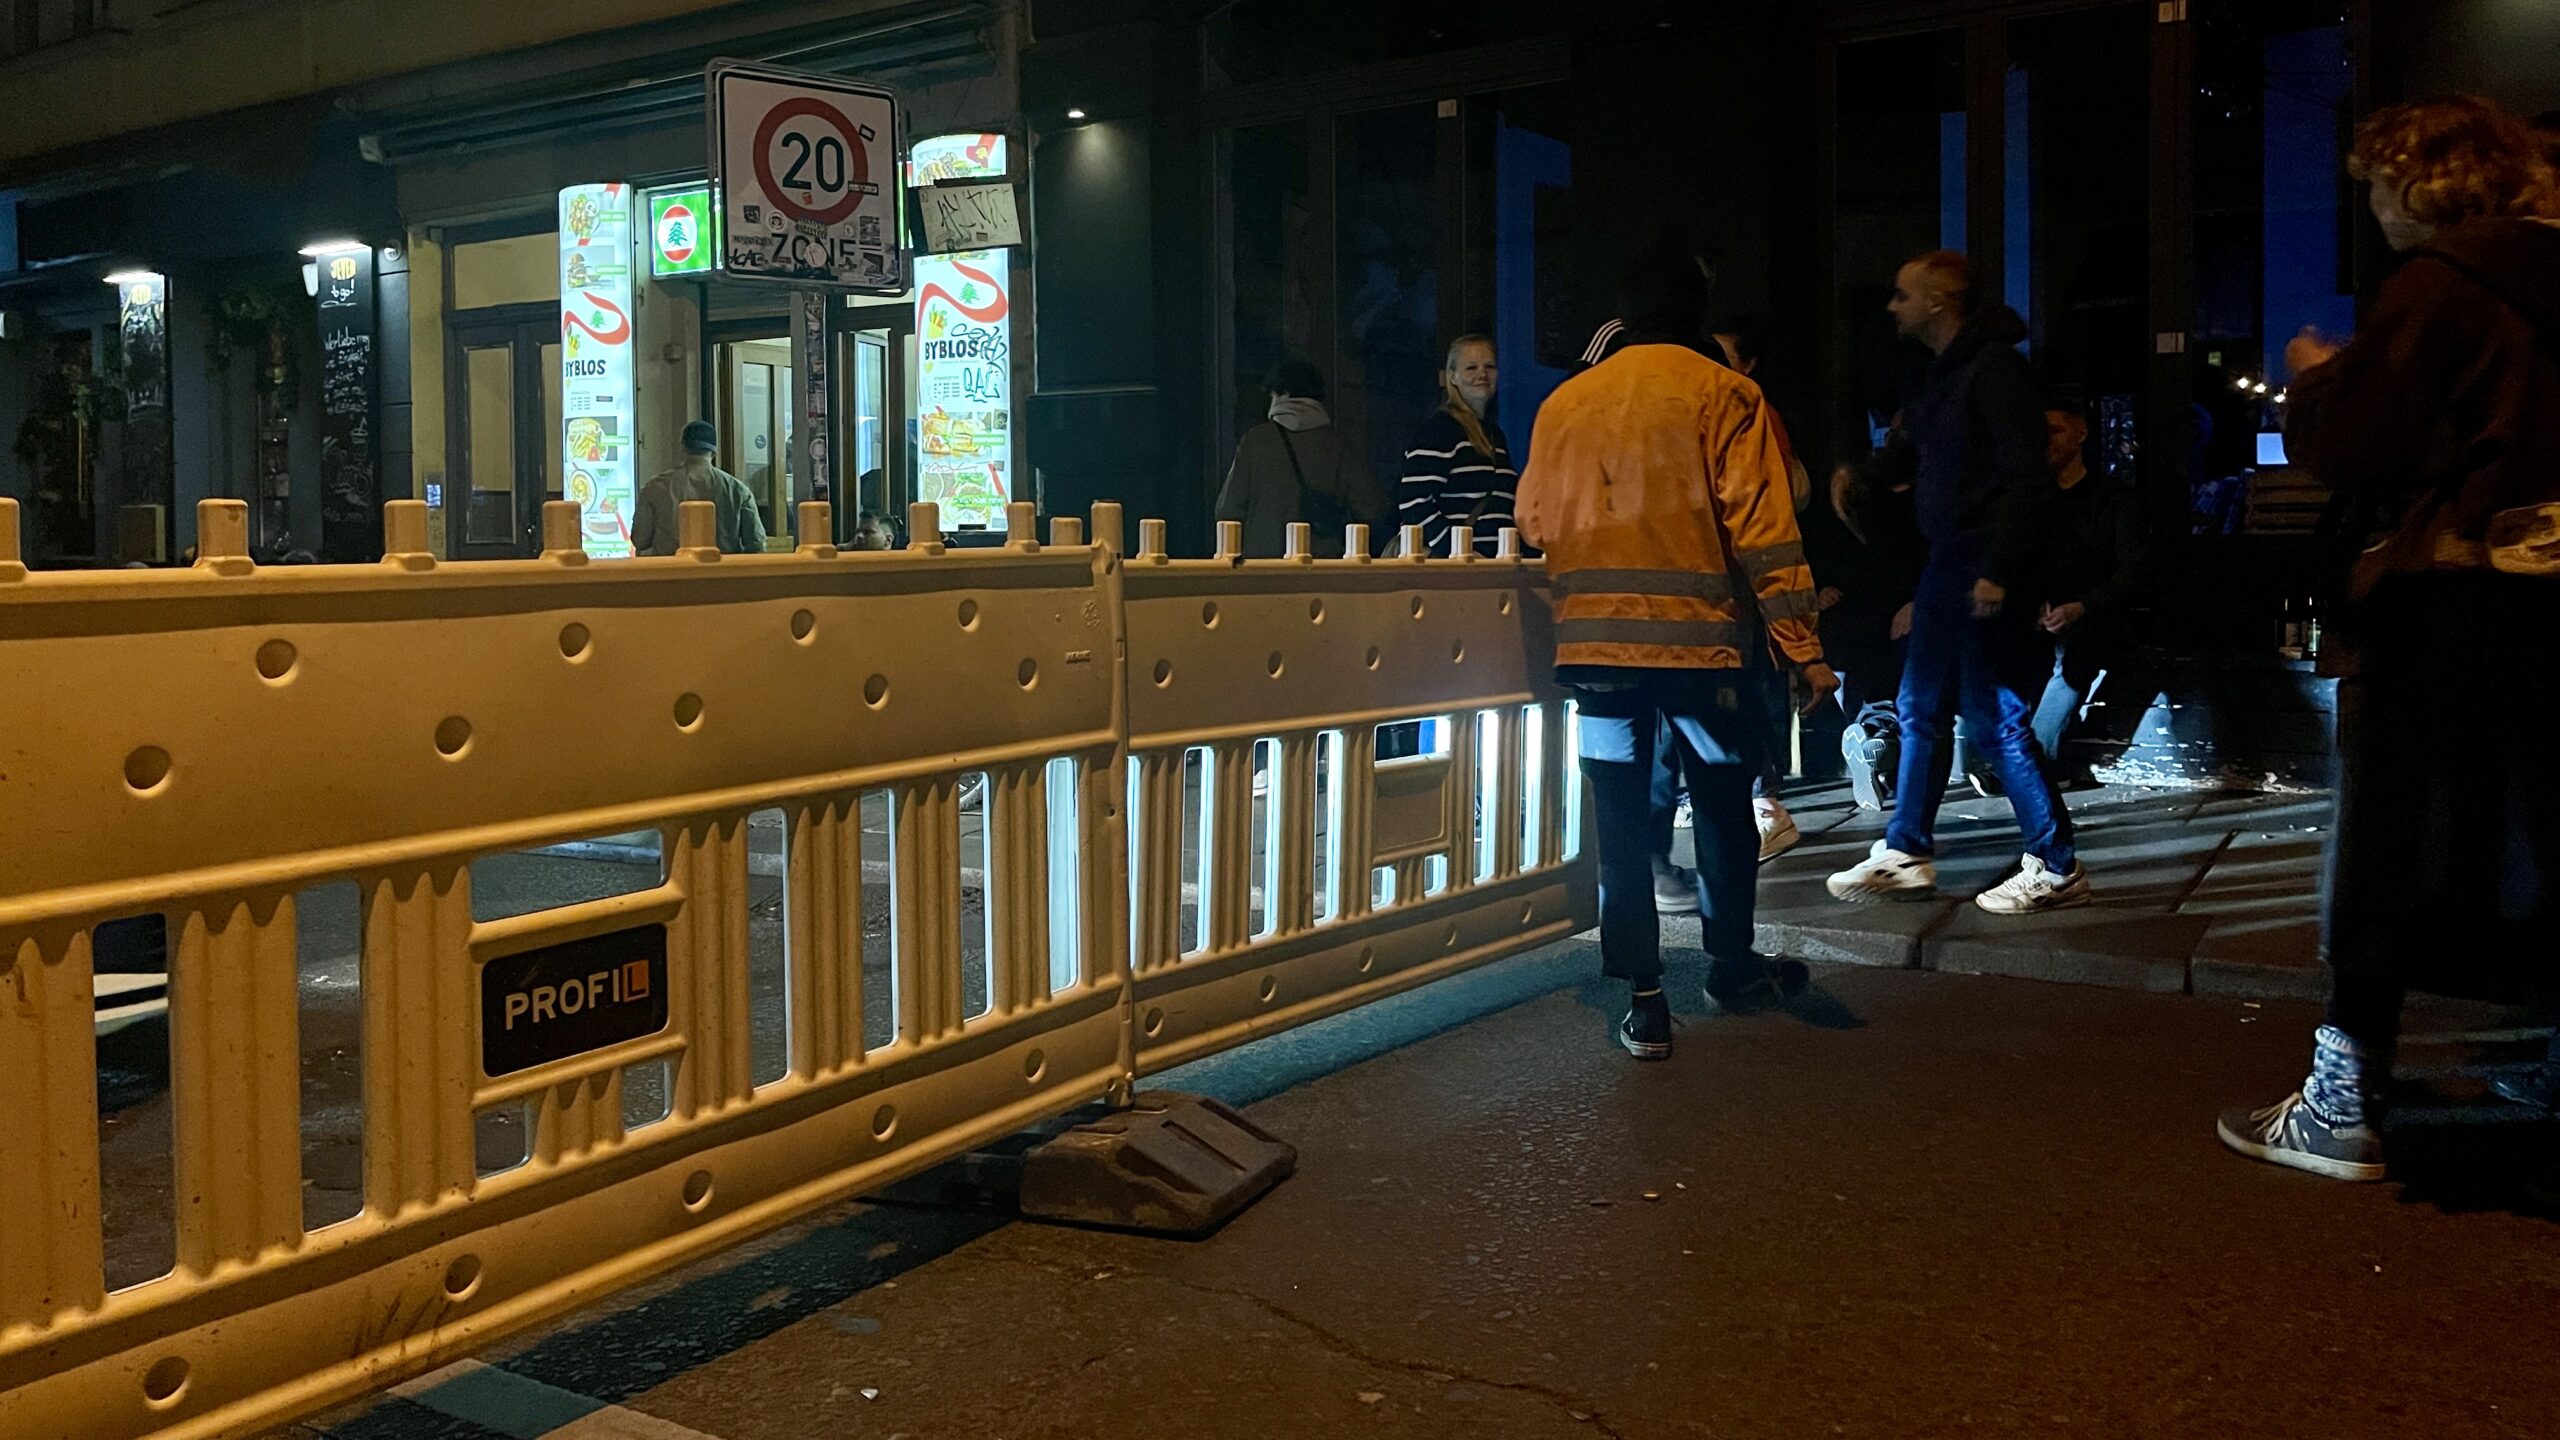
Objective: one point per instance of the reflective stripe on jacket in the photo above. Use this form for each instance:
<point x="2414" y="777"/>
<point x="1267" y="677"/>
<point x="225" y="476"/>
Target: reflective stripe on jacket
<point x="1652" y="477"/>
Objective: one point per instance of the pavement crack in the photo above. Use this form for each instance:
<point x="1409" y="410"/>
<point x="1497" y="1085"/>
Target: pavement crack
<point x="2203" y="872"/>
<point x="1574" y="1406"/>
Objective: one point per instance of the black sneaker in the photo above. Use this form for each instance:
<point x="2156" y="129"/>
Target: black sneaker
<point x="2291" y="1133"/>
<point x="1756" y="984"/>
<point x="1646" y="1032"/>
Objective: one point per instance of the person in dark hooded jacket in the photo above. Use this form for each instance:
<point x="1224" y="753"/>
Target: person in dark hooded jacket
<point x="2438" y="430"/>
<point x="1972" y="448"/>
<point x="2095" y="551"/>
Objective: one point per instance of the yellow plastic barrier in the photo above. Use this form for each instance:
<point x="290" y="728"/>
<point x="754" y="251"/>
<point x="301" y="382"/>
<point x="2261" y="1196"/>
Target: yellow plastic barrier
<point x="211" y="745"/>
<point x="1429" y="864"/>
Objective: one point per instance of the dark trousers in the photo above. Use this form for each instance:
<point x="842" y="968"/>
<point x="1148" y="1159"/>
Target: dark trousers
<point x="1868" y="662"/>
<point x="1777" y="716"/>
<point x="2444" y="864"/>
<point x="1766" y="783"/>
<point x="1714" y="723"/>
<point x="1979" y="668"/>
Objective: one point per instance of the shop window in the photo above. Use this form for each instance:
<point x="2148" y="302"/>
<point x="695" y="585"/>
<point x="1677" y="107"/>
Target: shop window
<point x="1901" y="137"/>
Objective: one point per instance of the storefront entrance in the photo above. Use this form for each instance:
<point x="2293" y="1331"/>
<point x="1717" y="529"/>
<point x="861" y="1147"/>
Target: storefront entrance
<point x="503" y="413"/>
<point x="753" y="395"/>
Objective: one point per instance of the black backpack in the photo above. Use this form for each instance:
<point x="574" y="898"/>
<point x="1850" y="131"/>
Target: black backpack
<point x="1325" y="514"/>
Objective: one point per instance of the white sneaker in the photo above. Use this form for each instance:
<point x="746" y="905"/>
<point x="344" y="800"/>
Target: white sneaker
<point x="2036" y="887"/>
<point x="1675" y="888"/>
<point x="1886" y="874"/>
<point x="1778" y="832"/>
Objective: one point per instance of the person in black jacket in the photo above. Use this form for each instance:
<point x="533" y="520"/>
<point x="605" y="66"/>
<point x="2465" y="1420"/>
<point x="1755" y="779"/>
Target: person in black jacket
<point x="2438" y="430"/>
<point x="2095" y="548"/>
<point x="1972" y="451"/>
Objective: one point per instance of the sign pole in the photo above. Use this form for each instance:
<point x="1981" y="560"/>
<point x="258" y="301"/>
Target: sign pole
<point x="813" y="457"/>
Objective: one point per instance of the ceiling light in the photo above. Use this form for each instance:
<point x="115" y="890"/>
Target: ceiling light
<point x="318" y="248"/>
<point x="1075" y="112"/>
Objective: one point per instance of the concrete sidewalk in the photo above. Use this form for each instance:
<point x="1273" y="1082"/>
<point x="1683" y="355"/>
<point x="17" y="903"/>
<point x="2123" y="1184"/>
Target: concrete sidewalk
<point x="2207" y="892"/>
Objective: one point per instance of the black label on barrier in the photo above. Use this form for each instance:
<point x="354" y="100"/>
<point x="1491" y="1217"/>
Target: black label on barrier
<point x="544" y="1005"/>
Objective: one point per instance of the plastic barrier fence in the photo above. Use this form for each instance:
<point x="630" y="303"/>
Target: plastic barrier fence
<point x="1282" y="871"/>
<point x="535" y="927"/>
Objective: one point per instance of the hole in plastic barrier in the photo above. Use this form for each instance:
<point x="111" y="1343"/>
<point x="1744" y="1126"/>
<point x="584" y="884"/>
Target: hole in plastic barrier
<point x="131" y="957"/>
<point x="524" y="882"/>
<point x="768" y="866"/>
<point x="328" y="943"/>
<point x="146" y="769"/>
<point x="648" y="1093"/>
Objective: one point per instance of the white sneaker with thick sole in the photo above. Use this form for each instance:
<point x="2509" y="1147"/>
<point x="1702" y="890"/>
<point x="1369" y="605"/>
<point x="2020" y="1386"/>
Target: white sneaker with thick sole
<point x="2035" y="887"/>
<point x="1675" y="888"/>
<point x="1886" y="874"/>
<point x="1778" y="832"/>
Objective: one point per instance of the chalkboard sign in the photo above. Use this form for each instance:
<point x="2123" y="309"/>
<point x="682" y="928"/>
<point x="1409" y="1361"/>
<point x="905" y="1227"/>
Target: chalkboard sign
<point x="350" y="512"/>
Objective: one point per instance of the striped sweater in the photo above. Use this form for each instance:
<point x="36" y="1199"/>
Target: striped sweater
<point x="1448" y="481"/>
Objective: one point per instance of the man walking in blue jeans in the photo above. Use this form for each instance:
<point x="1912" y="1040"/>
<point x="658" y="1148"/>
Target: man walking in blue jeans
<point x="1974" y="447"/>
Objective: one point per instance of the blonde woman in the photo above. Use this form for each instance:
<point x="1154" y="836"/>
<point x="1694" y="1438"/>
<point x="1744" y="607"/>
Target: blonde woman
<point x="1457" y="468"/>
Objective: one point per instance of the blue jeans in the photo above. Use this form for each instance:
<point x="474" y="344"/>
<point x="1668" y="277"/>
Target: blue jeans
<point x="1714" y="722"/>
<point x="1985" y="670"/>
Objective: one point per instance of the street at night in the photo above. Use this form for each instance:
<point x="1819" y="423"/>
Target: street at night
<point x="1225" y="719"/>
<point x="1929" y="1205"/>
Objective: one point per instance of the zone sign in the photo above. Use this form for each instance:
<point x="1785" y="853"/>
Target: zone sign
<point x="808" y="180"/>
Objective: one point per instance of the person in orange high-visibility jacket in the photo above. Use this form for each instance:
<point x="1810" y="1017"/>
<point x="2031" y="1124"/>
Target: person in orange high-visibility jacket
<point x="1658" y="490"/>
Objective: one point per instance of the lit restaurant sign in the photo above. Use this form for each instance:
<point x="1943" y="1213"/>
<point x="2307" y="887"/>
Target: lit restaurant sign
<point x="964" y="354"/>
<point x="599" y="460"/>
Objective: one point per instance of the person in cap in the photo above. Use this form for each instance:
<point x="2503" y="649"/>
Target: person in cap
<point x="741" y="528"/>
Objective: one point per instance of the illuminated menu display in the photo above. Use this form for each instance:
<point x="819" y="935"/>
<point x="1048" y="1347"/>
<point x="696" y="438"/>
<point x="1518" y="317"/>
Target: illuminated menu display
<point x="964" y="353"/>
<point x="599" y="458"/>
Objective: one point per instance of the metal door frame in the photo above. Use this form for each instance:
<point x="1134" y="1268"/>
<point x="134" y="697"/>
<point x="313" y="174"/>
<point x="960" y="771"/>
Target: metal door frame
<point x="525" y="329"/>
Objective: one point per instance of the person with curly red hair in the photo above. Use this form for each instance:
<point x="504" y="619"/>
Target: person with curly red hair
<point x="2438" y="431"/>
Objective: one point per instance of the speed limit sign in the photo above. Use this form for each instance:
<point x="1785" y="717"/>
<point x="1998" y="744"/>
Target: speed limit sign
<point x="805" y="172"/>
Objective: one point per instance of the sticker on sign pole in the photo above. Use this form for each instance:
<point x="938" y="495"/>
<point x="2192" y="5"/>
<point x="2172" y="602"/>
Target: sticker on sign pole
<point x="806" y="174"/>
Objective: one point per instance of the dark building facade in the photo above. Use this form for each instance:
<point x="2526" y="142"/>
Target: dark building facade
<point x="1209" y="188"/>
